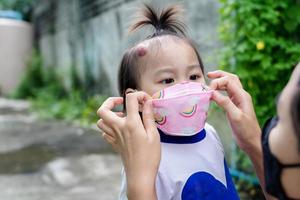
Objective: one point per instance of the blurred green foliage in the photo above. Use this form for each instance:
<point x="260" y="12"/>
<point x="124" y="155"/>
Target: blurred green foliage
<point x="36" y="79"/>
<point x="70" y="108"/>
<point x="51" y="100"/>
<point x="261" y="45"/>
<point x="246" y="188"/>
<point x="22" y="6"/>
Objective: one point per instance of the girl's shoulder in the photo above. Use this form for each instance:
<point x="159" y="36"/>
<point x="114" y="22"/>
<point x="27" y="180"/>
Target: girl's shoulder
<point x="210" y="129"/>
<point x="211" y="132"/>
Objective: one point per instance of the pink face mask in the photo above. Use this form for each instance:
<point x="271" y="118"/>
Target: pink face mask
<point x="181" y="109"/>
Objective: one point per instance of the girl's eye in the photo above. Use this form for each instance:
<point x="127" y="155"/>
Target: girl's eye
<point x="167" y="81"/>
<point x="194" y="77"/>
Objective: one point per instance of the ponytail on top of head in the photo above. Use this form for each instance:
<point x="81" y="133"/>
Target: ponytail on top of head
<point x="164" y="22"/>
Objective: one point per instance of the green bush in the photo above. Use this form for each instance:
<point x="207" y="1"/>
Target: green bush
<point x="32" y="79"/>
<point x="51" y="100"/>
<point x="261" y="45"/>
<point x="22" y="6"/>
<point x="36" y="78"/>
<point x="73" y="107"/>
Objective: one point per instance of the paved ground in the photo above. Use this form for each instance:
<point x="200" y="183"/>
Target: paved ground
<point x="53" y="160"/>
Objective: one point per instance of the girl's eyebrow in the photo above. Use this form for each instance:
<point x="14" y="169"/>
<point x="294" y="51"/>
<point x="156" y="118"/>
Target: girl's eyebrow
<point x="190" y="67"/>
<point x="171" y="70"/>
<point x="164" y="70"/>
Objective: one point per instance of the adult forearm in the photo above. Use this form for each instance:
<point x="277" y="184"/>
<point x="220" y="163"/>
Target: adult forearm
<point x="255" y="154"/>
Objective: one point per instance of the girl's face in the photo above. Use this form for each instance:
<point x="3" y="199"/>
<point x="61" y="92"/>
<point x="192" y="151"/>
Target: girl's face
<point x="166" y="61"/>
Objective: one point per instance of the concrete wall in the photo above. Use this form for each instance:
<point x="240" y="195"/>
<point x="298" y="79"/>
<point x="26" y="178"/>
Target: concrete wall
<point x="97" y="44"/>
<point x="15" y="50"/>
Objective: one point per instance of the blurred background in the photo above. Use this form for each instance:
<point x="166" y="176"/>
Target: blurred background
<point x="59" y="61"/>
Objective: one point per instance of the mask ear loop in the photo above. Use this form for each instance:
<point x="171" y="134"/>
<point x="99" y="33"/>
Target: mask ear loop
<point x="204" y="88"/>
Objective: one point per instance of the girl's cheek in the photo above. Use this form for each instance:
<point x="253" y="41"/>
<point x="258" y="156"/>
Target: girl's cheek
<point x="202" y="80"/>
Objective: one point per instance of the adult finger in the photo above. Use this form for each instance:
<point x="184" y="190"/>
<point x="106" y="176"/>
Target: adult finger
<point x="148" y="118"/>
<point x="110" y="103"/>
<point x="225" y="102"/>
<point x="105" y="111"/>
<point x="132" y="103"/>
<point x="226" y="83"/>
<point x="221" y="83"/>
<point x="105" y="128"/>
<point x="108" y="137"/>
<point x="111" y="141"/>
<point x="120" y="114"/>
<point x="219" y="74"/>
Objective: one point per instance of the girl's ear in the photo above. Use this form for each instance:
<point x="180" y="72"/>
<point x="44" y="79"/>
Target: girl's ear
<point x="129" y="90"/>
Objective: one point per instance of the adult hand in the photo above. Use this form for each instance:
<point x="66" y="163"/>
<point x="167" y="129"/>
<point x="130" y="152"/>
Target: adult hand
<point x="238" y="107"/>
<point x="240" y="112"/>
<point x="136" y="140"/>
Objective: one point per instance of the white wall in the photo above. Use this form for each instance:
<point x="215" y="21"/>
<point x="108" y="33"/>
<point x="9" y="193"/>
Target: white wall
<point x="15" y="50"/>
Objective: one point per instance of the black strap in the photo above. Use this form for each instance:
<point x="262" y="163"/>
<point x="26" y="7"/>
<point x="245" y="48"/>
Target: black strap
<point x="288" y="198"/>
<point x="291" y="165"/>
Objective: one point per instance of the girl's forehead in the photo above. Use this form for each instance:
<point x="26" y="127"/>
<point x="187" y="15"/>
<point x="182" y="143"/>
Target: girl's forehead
<point x="165" y="50"/>
<point x="153" y="45"/>
<point x="162" y="48"/>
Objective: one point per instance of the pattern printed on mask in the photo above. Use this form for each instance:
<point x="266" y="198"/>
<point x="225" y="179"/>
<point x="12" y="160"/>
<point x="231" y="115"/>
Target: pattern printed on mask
<point x="189" y="112"/>
<point x="161" y="120"/>
<point x="160" y="115"/>
<point x="159" y="95"/>
<point x="181" y="109"/>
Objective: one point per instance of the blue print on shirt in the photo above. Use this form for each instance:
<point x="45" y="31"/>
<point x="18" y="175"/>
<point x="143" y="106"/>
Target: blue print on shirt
<point x="202" y="185"/>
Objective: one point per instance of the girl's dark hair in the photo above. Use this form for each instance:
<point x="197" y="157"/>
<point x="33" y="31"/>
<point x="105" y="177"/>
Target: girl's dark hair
<point x="165" y="23"/>
<point x="295" y="113"/>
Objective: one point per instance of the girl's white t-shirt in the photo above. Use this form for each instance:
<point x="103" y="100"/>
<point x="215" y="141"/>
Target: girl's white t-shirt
<point x="195" y="169"/>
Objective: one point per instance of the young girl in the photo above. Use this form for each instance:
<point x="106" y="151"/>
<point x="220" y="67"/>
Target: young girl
<point x="192" y="166"/>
